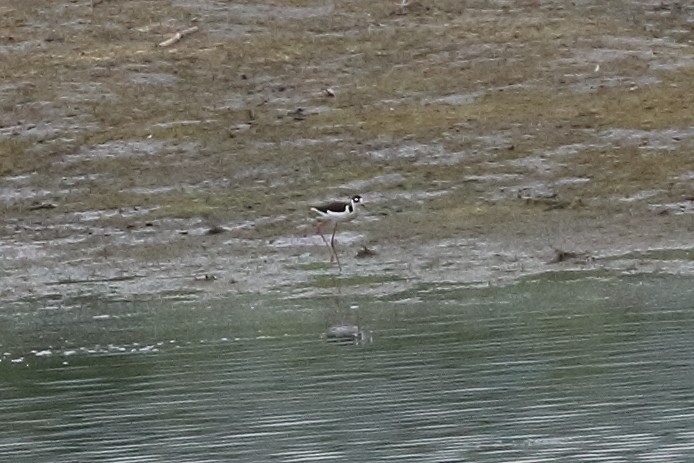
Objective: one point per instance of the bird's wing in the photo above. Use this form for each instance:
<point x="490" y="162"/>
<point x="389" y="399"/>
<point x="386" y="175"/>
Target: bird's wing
<point x="336" y="206"/>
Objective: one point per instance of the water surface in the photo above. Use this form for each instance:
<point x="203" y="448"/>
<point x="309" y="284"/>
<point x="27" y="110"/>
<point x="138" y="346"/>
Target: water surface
<point x="558" y="367"/>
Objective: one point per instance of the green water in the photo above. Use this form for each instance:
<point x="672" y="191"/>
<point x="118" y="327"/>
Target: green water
<point x="558" y="367"/>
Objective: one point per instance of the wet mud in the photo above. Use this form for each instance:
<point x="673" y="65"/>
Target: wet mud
<point x="490" y="140"/>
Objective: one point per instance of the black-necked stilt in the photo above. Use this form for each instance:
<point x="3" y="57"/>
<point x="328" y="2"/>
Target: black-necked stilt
<point x="336" y="212"/>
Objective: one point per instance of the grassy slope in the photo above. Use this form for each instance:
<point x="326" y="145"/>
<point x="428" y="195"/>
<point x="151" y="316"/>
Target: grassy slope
<point x="211" y="116"/>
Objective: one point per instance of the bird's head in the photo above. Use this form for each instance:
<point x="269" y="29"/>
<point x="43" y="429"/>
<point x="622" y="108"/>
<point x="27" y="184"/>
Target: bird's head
<point x="356" y="199"/>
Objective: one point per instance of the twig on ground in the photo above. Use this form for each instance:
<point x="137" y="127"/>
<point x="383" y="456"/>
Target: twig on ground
<point x="178" y="36"/>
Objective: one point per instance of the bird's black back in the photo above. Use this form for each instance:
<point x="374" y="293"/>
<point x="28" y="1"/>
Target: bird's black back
<point x="337" y="206"/>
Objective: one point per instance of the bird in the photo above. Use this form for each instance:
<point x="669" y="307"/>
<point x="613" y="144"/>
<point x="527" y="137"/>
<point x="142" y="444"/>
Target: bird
<point x="336" y="212"/>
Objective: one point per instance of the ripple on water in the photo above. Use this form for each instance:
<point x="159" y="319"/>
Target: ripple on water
<point x="548" y="369"/>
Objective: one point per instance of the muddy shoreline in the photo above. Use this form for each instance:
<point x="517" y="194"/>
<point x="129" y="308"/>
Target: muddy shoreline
<point x="491" y="140"/>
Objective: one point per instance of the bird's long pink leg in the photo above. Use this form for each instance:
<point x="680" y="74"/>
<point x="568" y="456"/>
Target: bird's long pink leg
<point x="332" y="245"/>
<point x="318" y="230"/>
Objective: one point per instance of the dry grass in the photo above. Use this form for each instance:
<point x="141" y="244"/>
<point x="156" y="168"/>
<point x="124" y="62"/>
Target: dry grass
<point x="389" y="67"/>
